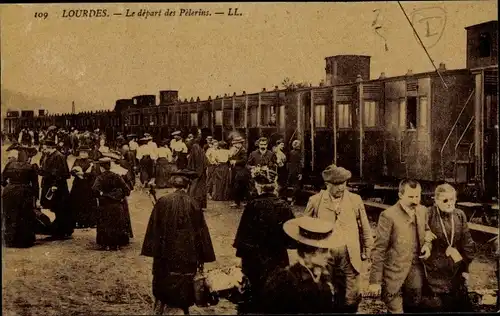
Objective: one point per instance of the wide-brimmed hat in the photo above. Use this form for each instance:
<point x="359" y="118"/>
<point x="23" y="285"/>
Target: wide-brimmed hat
<point x="30" y="151"/>
<point x="238" y="140"/>
<point x="112" y="155"/>
<point x="84" y="148"/>
<point x="13" y="146"/>
<point x="176" y="133"/>
<point x="336" y="175"/>
<point x="190" y="174"/>
<point x="131" y="135"/>
<point x="50" y="143"/>
<point x="311" y="231"/>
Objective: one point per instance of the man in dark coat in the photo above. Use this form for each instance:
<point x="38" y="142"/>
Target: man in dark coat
<point x="178" y="239"/>
<point x="55" y="193"/>
<point x="262" y="156"/>
<point x="260" y="240"/>
<point x="240" y="176"/>
<point x="295" y="166"/>
<point x="197" y="161"/>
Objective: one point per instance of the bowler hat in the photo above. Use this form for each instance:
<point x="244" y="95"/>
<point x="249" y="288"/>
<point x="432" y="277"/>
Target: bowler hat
<point x="237" y="140"/>
<point x="311" y="231"/>
<point x="336" y="175"/>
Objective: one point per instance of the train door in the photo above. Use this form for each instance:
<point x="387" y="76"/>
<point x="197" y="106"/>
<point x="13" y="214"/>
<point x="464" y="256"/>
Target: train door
<point x="491" y="134"/>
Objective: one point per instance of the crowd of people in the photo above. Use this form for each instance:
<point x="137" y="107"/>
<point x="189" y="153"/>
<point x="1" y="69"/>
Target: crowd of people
<point x="419" y="257"/>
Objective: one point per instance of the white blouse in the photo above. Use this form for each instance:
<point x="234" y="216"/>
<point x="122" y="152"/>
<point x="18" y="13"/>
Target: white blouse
<point x="178" y="146"/>
<point x="221" y="155"/>
<point x="164" y="152"/>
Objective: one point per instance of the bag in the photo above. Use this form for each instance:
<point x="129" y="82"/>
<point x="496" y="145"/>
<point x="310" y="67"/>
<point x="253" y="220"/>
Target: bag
<point x="202" y="294"/>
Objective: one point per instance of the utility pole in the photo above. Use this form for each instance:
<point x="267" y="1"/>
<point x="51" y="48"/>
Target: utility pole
<point x="73" y="107"/>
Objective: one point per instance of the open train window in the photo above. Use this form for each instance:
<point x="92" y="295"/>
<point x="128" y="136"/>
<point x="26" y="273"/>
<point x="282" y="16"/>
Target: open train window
<point x="411" y="113"/>
<point x="484" y="45"/>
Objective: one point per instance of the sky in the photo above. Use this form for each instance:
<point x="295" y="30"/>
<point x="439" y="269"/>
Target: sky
<point x="99" y="60"/>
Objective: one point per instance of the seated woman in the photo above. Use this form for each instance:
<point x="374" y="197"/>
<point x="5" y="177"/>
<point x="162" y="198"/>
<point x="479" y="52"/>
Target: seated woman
<point x="260" y="241"/>
<point x="453" y="250"/>
<point x="305" y="287"/>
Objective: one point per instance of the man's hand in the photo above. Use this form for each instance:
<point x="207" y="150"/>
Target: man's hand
<point x="374" y="290"/>
<point x="425" y="252"/>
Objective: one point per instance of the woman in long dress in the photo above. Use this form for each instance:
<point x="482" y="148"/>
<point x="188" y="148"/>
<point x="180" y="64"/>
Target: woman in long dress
<point x="113" y="226"/>
<point x="19" y="197"/>
<point x="164" y="166"/>
<point x="221" y="174"/>
<point x="82" y="199"/>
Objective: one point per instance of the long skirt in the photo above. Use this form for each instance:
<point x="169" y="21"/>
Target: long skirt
<point x="163" y="171"/>
<point x="146" y="166"/>
<point x="83" y="203"/>
<point x="113" y="226"/>
<point x="210" y="178"/>
<point x="19" y="218"/>
<point x="222" y="183"/>
<point x="173" y="287"/>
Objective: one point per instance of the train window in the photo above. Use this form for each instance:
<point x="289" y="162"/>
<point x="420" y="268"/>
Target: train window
<point x="344" y="115"/>
<point x="228" y="117"/>
<point x="320" y="115"/>
<point x="402" y="113"/>
<point x="411" y="113"/>
<point x="205" y="119"/>
<point x="194" y="119"/>
<point x="253" y="116"/>
<point x="423" y="108"/>
<point x="370" y="114"/>
<point x="484" y="45"/>
<point x="218" y="117"/>
<point x="281" y="116"/>
<point x="237" y="117"/>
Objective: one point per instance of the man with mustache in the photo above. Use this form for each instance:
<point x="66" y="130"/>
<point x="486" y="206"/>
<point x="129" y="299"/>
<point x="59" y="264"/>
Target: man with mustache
<point x="403" y="240"/>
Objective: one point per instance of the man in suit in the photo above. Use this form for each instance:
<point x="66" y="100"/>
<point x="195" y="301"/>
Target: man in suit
<point x="352" y="233"/>
<point x="403" y="240"/>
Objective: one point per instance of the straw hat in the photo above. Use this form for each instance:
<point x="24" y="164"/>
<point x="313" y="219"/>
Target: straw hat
<point x="310" y="231"/>
<point x="238" y="140"/>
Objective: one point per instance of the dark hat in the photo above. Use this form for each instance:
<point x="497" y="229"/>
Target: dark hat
<point x="190" y="174"/>
<point x="164" y="142"/>
<point x="237" y="140"/>
<point x="263" y="139"/>
<point x="30" y="151"/>
<point x="49" y="143"/>
<point x="311" y="231"/>
<point x="336" y="175"/>
<point x="264" y="176"/>
<point x="112" y="155"/>
<point x="105" y="159"/>
<point x="14" y="146"/>
<point x="84" y="148"/>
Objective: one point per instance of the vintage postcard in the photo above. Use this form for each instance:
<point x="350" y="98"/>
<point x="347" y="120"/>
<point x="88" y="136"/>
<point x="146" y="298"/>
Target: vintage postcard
<point x="242" y="158"/>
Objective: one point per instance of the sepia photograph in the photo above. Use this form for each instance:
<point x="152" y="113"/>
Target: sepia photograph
<point x="241" y="158"/>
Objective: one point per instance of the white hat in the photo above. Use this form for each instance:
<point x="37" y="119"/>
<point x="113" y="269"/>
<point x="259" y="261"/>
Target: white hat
<point x="176" y="133"/>
<point x="311" y="231"/>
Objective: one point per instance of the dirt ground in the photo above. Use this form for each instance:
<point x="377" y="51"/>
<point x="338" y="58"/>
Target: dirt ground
<point x="72" y="277"/>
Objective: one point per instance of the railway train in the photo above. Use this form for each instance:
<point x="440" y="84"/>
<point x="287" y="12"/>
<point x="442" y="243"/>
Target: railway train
<point x="434" y="126"/>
